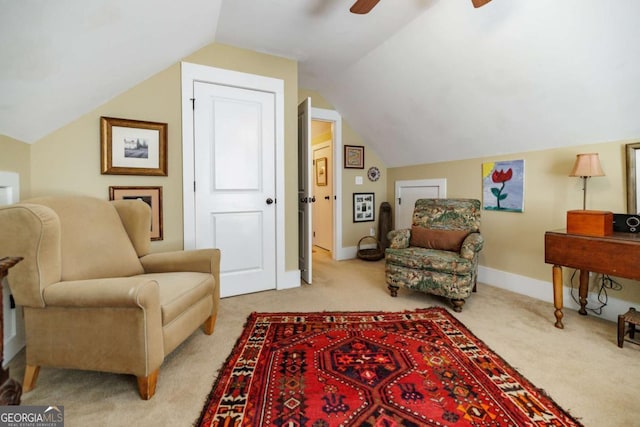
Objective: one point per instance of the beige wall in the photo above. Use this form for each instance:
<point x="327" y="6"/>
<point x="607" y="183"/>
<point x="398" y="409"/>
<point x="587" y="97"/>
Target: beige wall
<point x="15" y="156"/>
<point x="68" y="160"/>
<point x="515" y="241"/>
<point x="353" y="232"/>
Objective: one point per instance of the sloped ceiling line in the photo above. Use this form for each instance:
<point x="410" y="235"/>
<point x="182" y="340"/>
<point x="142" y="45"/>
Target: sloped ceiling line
<point x="421" y="81"/>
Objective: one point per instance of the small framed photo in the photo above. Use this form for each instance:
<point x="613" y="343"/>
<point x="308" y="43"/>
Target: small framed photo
<point x="151" y="196"/>
<point x="354" y="157"/>
<point x="363" y="207"/>
<point x="132" y="147"/>
<point x="321" y="171"/>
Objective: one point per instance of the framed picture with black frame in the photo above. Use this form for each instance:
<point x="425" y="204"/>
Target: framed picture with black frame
<point x="363" y="207"/>
<point x="354" y="157"/>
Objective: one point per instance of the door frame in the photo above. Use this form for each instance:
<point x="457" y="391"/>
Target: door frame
<point x="203" y="73"/>
<point x="325" y="115"/>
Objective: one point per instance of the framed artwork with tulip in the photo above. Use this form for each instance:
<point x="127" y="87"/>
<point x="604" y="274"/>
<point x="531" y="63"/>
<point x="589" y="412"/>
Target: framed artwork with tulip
<point x="503" y="186"/>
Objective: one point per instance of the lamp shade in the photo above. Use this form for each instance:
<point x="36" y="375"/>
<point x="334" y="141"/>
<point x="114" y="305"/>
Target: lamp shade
<point x="587" y="165"/>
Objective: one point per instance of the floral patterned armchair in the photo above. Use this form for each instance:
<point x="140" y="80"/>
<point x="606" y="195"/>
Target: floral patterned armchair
<point x="439" y="254"/>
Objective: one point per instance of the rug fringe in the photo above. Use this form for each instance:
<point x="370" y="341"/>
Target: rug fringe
<point x="235" y="350"/>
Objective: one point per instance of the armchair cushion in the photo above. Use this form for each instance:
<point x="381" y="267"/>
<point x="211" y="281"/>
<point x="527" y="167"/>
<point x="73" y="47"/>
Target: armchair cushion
<point x="175" y="296"/>
<point x="416" y="258"/>
<point x="445" y="240"/>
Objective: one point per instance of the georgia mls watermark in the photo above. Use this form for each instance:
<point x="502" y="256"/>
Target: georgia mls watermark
<point x="31" y="416"/>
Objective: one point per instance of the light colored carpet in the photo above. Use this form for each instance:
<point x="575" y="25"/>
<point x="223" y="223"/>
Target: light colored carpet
<point x="580" y="367"/>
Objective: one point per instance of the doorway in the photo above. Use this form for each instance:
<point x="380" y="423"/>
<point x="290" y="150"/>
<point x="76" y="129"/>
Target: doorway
<point x="322" y="146"/>
<point x="327" y="136"/>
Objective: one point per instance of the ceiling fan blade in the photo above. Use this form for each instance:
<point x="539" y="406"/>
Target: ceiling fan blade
<point x="363" y="6"/>
<point x="479" y="3"/>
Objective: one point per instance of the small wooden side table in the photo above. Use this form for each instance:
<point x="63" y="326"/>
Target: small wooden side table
<point x="10" y="389"/>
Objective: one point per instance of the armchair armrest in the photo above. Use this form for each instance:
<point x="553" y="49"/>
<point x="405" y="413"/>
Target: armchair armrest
<point x="198" y="260"/>
<point x="112" y="292"/>
<point x="399" y="239"/>
<point x="471" y="245"/>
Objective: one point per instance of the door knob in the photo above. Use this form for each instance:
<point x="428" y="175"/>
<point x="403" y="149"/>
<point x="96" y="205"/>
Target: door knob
<point x="313" y="199"/>
<point x="304" y="200"/>
<point x="269" y="201"/>
<point x="327" y="197"/>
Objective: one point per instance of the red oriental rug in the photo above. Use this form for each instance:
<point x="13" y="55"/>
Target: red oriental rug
<point x="418" y="368"/>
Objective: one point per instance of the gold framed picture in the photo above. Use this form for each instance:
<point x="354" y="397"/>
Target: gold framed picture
<point x="132" y="147"/>
<point x="321" y="171"/>
<point x="151" y="196"/>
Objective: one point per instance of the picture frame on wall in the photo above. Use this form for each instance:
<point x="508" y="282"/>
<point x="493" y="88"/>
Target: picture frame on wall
<point x="132" y="147"/>
<point x="354" y="157"/>
<point x="503" y="186"/>
<point x="364" y="207"/>
<point x="633" y="177"/>
<point x="151" y="196"/>
<point x="321" y="171"/>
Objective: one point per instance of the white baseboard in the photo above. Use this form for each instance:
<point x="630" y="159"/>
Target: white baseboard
<point x="538" y="289"/>
<point x="543" y="290"/>
<point x="290" y="279"/>
<point x="351" y="252"/>
<point x="346" y="253"/>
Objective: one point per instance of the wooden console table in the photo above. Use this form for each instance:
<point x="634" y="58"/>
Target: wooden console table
<point x="10" y="389"/>
<point x="617" y="255"/>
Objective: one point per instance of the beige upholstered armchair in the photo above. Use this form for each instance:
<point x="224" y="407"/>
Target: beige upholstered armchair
<point x="94" y="298"/>
<point x="439" y="254"/>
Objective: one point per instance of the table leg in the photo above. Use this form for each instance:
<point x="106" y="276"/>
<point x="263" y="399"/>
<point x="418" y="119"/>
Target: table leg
<point x="584" y="290"/>
<point x="557" y="295"/>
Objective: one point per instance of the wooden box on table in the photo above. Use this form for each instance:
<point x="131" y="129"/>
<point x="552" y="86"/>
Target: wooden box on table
<point x="590" y="223"/>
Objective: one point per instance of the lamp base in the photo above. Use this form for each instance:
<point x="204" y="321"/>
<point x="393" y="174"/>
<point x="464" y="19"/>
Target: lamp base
<point x="590" y="223"/>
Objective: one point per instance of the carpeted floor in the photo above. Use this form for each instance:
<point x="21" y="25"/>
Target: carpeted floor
<point x="581" y="367"/>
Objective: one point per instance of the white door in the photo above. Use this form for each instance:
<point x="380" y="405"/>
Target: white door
<point x="13" y="321"/>
<point x="234" y="170"/>
<point x="323" y="191"/>
<point x="305" y="191"/>
<point x="407" y="192"/>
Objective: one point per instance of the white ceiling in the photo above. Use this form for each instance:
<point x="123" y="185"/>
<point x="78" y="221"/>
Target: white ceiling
<point x="420" y="80"/>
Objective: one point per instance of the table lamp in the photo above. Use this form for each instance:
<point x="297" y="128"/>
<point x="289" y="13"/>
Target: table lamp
<point x="586" y="166"/>
<point x="590" y="223"/>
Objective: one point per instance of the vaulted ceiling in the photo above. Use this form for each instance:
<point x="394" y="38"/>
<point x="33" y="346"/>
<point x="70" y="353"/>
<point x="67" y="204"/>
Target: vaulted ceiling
<point x="420" y="80"/>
